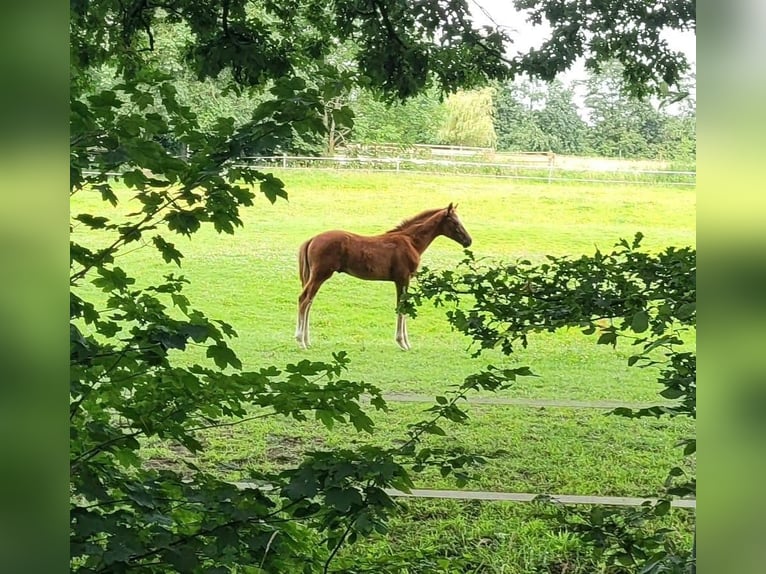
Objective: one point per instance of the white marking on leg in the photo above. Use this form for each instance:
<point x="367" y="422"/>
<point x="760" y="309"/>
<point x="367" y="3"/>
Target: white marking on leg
<point x="306" y="337"/>
<point x="400" y="336"/>
<point x="406" y="335"/>
<point x="298" y="327"/>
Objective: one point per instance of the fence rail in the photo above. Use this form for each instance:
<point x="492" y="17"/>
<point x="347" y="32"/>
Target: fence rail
<point x="519" y="169"/>
<point x="524" y="170"/>
<point x="511" y="496"/>
<point x="525" y="402"/>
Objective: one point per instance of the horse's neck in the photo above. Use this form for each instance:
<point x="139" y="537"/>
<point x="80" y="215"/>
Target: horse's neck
<point x="423" y="233"/>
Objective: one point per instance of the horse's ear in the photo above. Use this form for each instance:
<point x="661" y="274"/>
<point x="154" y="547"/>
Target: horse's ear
<point x="450" y="208"/>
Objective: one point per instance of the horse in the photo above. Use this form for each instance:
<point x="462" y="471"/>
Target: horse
<point x="392" y="256"/>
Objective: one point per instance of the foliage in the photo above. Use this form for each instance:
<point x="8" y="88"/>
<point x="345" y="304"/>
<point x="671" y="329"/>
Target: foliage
<point x="624" y="294"/>
<point x="531" y="116"/>
<point x="628" y="32"/>
<point x="627" y="540"/>
<point x="413" y="122"/>
<point x="678" y="140"/>
<point x="131" y="375"/>
<point x="535" y="116"/>
<point x="564" y="126"/>
<point x="515" y="126"/>
<point x="625" y="127"/>
<point x="469" y="119"/>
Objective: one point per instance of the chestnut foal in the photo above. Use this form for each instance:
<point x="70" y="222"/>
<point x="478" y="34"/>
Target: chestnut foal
<point x="393" y="256"/>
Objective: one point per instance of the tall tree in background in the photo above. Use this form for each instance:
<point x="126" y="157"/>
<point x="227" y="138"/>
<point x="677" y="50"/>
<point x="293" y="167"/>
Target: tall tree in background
<point x="469" y="120"/>
<point x="620" y="125"/>
<point x="416" y="121"/>
<point x="538" y="116"/>
<point x="515" y="124"/>
<point x="679" y="137"/>
<point x="560" y="120"/>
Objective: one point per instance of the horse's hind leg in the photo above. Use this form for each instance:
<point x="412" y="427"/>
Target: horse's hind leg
<point x="406" y="335"/>
<point x="304" y="306"/>
<point x="299" y="327"/>
<point x="401" y="319"/>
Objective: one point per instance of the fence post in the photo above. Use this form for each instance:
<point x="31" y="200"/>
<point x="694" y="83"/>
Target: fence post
<point x="550" y="167"/>
<point x="284" y="160"/>
<point x="397" y="165"/>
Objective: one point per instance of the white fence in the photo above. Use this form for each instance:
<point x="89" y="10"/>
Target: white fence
<point x="535" y="169"/>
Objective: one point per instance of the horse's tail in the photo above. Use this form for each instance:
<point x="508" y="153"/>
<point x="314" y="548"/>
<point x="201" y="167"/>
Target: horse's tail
<point x="303" y="262"/>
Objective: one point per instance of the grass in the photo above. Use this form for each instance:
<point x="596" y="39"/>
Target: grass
<point x="250" y="280"/>
<point x="546" y="450"/>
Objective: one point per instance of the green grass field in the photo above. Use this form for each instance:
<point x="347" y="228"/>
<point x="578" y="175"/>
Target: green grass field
<point x="251" y="280"/>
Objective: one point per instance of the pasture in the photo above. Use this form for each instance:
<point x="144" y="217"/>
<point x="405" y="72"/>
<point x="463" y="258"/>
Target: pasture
<point x="251" y="280"/>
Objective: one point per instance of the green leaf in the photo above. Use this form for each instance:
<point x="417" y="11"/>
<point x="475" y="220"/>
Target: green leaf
<point x="326" y="417"/>
<point x="597" y="515"/>
<point x="675" y="471"/>
<point x="640" y="322"/>
<point x="686" y="310"/>
<point x="168" y="250"/>
<point x="435" y="429"/>
<point x="92" y="221"/>
<point x="183" y="559"/>
<point x="343" y="499"/>
<point x="608" y="338"/>
<point x="112" y="279"/>
<point x="223" y="356"/>
<point x="379" y="403"/>
<point x="672" y="393"/>
<point x="183" y="222"/>
<point x="625" y="559"/>
<point x="273" y="188"/>
<point x="135" y="178"/>
<point x="662" y="508"/>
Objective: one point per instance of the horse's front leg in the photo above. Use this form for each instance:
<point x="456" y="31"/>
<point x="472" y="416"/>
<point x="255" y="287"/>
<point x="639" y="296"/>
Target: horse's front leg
<point x="401" y="319"/>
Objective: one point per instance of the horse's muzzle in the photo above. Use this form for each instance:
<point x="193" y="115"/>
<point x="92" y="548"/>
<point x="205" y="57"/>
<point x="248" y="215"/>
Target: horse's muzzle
<point x="467" y="242"/>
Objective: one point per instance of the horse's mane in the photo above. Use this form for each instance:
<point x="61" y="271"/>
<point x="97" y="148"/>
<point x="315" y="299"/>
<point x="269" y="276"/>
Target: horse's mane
<point x="415" y="219"/>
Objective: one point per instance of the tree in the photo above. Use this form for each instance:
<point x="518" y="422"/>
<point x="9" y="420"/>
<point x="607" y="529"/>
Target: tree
<point x="129" y="376"/>
<point x="678" y="141"/>
<point x="560" y="120"/>
<point x="537" y="116"/>
<point x="515" y="124"/>
<point x="413" y="122"/>
<point x="628" y="32"/>
<point x="469" y="119"/>
<point x="621" y="126"/>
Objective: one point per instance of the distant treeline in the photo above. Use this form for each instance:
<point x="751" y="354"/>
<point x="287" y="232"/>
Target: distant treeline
<point x="593" y="117"/>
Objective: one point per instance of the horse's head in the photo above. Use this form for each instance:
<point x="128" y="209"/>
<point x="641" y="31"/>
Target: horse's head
<point x="453" y="228"/>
